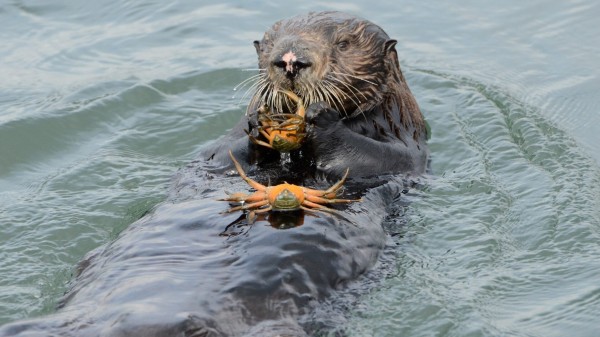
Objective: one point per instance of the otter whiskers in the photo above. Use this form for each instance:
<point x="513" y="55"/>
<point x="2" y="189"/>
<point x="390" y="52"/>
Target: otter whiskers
<point x="353" y="76"/>
<point x="251" y="83"/>
<point x="353" y="91"/>
<point x="334" y="89"/>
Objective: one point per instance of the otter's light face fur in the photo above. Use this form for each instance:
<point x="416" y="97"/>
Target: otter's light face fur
<point x="329" y="56"/>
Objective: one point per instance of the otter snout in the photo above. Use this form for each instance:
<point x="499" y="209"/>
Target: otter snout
<point x="291" y="63"/>
<point x="293" y="57"/>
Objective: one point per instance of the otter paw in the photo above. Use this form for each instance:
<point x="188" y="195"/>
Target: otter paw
<point x="253" y="124"/>
<point x="321" y="115"/>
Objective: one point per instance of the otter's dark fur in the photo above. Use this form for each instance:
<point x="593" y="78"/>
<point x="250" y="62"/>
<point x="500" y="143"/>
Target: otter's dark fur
<point x="173" y="273"/>
<point x="361" y="114"/>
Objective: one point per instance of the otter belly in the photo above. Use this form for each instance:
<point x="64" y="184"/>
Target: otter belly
<point x="173" y="272"/>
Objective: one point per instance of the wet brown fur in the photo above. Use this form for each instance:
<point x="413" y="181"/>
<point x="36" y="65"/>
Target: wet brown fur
<point x="354" y="68"/>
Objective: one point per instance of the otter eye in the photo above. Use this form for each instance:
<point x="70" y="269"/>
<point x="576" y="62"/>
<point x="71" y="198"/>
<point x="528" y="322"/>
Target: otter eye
<point x="343" y="45"/>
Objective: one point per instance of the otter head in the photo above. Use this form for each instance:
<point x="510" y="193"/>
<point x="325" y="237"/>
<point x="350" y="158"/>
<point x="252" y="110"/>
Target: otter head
<point x="328" y="56"/>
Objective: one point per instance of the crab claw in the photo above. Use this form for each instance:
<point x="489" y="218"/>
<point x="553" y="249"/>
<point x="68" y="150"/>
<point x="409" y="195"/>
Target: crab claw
<point x="300" y="110"/>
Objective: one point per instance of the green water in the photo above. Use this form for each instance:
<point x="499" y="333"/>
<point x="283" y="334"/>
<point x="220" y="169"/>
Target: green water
<point x="102" y="102"/>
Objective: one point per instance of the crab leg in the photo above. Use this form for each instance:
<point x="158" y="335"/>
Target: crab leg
<point x="330" y="193"/>
<point x="300" y="111"/>
<point x="282" y="120"/>
<point x="262" y="210"/>
<point x="249" y="206"/>
<point x="264" y="133"/>
<point x="320" y="200"/>
<point x="252" y="214"/>
<point x="320" y="208"/>
<point x="250" y="182"/>
<point x="258" y="141"/>
<point x="235" y="197"/>
<point x="257" y="196"/>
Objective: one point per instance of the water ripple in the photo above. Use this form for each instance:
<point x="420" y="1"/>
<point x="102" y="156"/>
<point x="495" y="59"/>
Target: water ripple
<point x="506" y="237"/>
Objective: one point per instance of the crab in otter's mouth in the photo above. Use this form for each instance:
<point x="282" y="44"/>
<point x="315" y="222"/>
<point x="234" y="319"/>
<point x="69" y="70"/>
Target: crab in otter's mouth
<point x="283" y="197"/>
<point x="284" y="132"/>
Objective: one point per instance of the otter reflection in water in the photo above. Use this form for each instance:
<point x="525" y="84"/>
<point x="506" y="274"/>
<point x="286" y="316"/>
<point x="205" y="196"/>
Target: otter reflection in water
<point x="176" y="272"/>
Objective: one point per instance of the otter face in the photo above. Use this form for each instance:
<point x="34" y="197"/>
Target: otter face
<point x="329" y="56"/>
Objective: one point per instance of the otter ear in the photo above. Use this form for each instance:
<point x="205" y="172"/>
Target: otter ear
<point x="389" y="46"/>
<point x="391" y="56"/>
<point x="257" y="46"/>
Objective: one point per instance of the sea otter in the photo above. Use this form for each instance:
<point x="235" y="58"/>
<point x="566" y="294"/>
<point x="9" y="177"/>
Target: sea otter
<point x="361" y="114"/>
<point x="189" y="269"/>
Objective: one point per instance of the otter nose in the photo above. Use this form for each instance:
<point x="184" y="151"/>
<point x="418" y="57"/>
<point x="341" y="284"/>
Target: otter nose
<point x="291" y="63"/>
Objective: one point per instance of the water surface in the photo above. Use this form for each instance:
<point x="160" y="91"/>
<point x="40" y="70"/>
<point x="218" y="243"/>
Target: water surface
<point x="102" y="102"/>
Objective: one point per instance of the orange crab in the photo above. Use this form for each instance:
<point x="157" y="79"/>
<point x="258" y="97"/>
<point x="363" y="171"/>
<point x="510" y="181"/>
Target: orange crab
<point x="283" y="197"/>
<point x="284" y="132"/>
